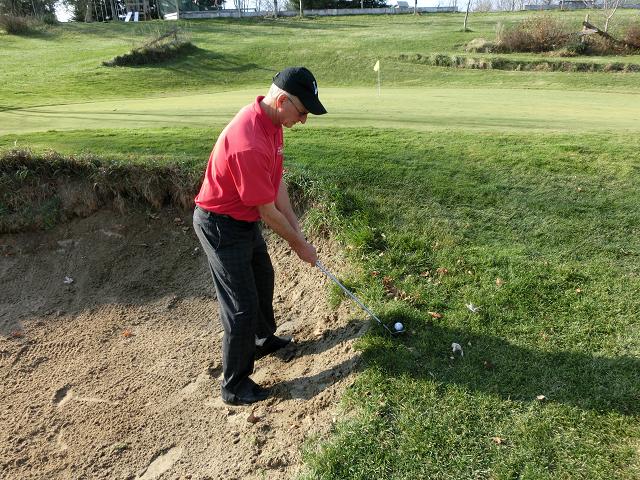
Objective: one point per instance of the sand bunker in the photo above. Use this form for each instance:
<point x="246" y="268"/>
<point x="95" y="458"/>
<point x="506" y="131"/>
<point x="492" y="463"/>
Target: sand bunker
<point x="110" y="357"/>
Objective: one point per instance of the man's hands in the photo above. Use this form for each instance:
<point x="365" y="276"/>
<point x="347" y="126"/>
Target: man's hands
<point x="280" y="223"/>
<point x="305" y="251"/>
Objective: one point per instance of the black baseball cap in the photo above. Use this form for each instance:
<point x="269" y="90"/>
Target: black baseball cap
<point x="300" y="82"/>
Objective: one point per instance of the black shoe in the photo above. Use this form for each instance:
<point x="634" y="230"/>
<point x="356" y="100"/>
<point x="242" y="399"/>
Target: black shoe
<point x="270" y="345"/>
<point x="257" y="394"/>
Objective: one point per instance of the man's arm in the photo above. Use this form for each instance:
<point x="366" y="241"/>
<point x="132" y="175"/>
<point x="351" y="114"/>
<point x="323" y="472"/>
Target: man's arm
<point x="280" y="224"/>
<point x="284" y="205"/>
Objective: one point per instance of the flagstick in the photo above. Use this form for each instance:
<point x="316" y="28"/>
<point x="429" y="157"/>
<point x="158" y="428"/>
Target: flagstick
<point x="378" y="81"/>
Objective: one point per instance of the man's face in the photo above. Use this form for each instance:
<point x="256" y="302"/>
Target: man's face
<point x="292" y="111"/>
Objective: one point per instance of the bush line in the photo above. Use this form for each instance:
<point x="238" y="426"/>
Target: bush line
<point x="499" y="63"/>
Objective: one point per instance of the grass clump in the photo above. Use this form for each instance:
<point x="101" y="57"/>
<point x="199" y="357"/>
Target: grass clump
<point x="14" y="25"/>
<point x="37" y="191"/>
<point x="161" y="48"/>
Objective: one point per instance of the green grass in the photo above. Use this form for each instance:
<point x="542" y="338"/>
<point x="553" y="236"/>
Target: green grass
<point x="530" y="177"/>
<point x="239" y="53"/>
<point x="418" y="108"/>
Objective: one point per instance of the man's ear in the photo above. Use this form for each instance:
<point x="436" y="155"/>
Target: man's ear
<point x="280" y="100"/>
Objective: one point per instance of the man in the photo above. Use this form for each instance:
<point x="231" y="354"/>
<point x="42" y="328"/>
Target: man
<point x="243" y="185"/>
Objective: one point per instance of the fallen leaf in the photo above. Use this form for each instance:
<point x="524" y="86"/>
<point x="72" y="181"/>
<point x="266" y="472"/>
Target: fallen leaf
<point x="541" y="398"/>
<point x="253" y="418"/>
<point x="68" y="280"/>
<point x="17" y="334"/>
<point x="499" y="282"/>
<point x="426" y="274"/>
<point x="435" y="314"/>
<point x="375" y="273"/>
<point x="497" y="440"/>
<point x="578" y="290"/>
<point x="127" y="333"/>
<point x="442" y="271"/>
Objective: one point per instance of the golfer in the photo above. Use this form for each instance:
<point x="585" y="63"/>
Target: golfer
<point x="243" y="185"/>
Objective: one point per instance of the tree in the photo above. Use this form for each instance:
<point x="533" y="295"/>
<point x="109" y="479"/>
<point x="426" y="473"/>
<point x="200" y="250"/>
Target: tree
<point x="27" y="8"/>
<point x="466" y="17"/>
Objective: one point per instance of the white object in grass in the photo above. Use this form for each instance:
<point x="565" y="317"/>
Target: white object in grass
<point x="457" y="348"/>
<point x="398" y="326"/>
<point x="472" y="307"/>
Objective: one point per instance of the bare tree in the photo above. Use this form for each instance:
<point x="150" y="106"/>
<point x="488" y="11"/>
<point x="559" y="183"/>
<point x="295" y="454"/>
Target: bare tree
<point x="609" y="8"/>
<point x="466" y="16"/>
<point x="483" y="6"/>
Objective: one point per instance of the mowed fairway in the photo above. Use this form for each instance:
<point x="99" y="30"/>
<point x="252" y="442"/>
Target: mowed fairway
<point x="414" y="108"/>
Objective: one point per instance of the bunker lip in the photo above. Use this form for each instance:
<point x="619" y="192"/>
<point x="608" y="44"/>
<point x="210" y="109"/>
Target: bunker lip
<point x="110" y="350"/>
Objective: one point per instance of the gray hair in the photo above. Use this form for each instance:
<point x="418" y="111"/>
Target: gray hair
<point x="275" y="91"/>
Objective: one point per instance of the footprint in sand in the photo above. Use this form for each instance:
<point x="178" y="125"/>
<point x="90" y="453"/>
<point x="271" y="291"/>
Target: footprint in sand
<point x="162" y="462"/>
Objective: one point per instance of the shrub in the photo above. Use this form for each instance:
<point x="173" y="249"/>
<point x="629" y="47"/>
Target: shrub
<point x="537" y="34"/>
<point x="598" y="45"/>
<point x="161" y="47"/>
<point x="14" y="25"/>
<point x="49" y="19"/>
<point x="441" y="60"/>
<point x="480" y="45"/>
<point x="151" y="55"/>
<point x="632" y="36"/>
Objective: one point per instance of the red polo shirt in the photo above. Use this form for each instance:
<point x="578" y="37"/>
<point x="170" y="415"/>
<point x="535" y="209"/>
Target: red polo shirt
<point x="245" y="166"/>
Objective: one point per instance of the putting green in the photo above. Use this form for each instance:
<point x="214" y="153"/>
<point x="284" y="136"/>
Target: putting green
<point x="415" y="108"/>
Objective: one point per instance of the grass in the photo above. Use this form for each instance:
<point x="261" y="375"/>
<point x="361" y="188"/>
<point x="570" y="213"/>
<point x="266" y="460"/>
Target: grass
<point x="239" y="53"/>
<point x="447" y="183"/>
<point x="417" y="108"/>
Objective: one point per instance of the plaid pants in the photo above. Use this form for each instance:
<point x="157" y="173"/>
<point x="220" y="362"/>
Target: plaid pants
<point x="243" y="278"/>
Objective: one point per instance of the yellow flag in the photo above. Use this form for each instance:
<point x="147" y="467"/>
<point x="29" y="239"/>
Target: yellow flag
<point x="376" y="67"/>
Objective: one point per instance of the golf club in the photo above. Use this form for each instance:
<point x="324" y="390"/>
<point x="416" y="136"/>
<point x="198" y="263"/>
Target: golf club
<point x="355" y="299"/>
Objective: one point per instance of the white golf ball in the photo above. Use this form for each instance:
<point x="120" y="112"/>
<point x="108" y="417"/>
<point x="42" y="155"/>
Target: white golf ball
<point x="398" y="326"/>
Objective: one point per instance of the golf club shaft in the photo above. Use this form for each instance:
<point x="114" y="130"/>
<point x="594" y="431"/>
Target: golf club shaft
<point x="345" y="290"/>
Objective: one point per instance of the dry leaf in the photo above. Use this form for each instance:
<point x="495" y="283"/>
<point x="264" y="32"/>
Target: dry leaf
<point x="17" y="334"/>
<point x="253" y="418"/>
<point x="488" y="365"/>
<point x="497" y="440"/>
<point x="435" y="314"/>
<point x="578" y="290"/>
<point x="442" y="271"/>
<point x="375" y="273"/>
<point x="127" y="333"/>
<point x="426" y="274"/>
<point x="541" y="398"/>
<point x="499" y="282"/>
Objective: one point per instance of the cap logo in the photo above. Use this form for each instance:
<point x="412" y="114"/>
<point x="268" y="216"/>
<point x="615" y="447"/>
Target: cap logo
<point x="315" y="88"/>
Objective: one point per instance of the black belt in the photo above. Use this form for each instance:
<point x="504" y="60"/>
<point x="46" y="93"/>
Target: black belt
<point x="221" y="215"/>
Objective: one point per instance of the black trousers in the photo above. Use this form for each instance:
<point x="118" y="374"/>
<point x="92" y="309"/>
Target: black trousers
<point x="243" y="277"/>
